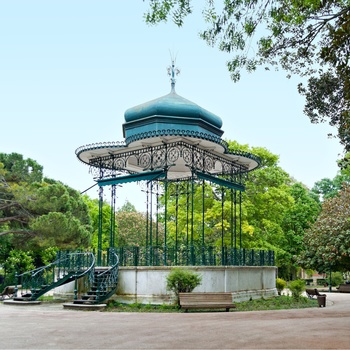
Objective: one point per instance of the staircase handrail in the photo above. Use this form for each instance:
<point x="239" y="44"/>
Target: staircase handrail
<point x="58" y="270"/>
<point x="107" y="280"/>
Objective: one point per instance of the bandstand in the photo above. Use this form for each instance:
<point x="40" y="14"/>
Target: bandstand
<point x="174" y="150"/>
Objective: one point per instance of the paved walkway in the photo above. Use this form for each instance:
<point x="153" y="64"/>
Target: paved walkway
<point x="52" y="327"/>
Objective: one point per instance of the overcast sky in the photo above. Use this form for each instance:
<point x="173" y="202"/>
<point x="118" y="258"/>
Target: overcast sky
<point x="70" y="69"/>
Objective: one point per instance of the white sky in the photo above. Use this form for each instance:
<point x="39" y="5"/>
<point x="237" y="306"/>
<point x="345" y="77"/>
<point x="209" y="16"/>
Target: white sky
<point x="70" y="69"/>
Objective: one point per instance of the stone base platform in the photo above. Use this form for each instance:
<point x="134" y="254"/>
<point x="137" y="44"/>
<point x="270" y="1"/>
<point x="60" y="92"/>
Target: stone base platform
<point x="21" y="302"/>
<point x="86" y="307"/>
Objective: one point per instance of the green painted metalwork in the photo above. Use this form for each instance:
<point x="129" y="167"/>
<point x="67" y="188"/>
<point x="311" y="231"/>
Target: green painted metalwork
<point x="148" y="176"/>
<point x="168" y="154"/>
<point x="112" y="218"/>
<point x="231" y="218"/>
<point x="240" y="221"/>
<point x="203" y="213"/>
<point x="171" y="142"/>
<point x="222" y="224"/>
<point x="235" y="219"/>
<point x="220" y="182"/>
<point x="192" y="220"/>
<point x="103" y="282"/>
<point x="99" y="240"/>
<point x="187" y="217"/>
<point x="151" y="219"/>
<point x="176" y="217"/>
<point x="66" y="268"/>
<point x="196" y="256"/>
<point x="147" y="218"/>
<point x="157" y="216"/>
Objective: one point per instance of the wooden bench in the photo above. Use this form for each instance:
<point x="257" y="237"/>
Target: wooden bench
<point x="206" y="301"/>
<point x="9" y="291"/>
<point x="311" y="293"/>
<point x="344" y="288"/>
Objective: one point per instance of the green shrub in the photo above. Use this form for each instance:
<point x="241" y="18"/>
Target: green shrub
<point x="182" y="280"/>
<point x="49" y="255"/>
<point x="297" y="287"/>
<point x="280" y="285"/>
<point x="322" y="282"/>
<point x="18" y="261"/>
<point x="337" y="278"/>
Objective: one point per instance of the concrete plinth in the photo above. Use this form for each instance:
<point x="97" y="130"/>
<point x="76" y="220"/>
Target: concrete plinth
<point x="148" y="284"/>
<point x="86" y="307"/>
<point x="21" y="302"/>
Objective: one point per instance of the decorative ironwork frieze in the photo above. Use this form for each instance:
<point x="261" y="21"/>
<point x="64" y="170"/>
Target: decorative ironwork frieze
<point x="167" y="155"/>
<point x="174" y="132"/>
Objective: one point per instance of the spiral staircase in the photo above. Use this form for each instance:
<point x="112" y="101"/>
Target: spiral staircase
<point x="100" y="282"/>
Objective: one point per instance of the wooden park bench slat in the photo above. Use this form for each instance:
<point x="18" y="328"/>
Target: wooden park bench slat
<point x="344" y="288"/>
<point x="206" y="301"/>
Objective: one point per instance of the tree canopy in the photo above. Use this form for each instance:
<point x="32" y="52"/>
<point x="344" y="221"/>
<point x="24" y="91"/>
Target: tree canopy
<point x="37" y="213"/>
<point x="328" y="188"/>
<point x="276" y="212"/>
<point x="308" y="38"/>
<point x="327" y="242"/>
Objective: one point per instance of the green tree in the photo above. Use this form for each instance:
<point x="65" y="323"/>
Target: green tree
<point x="276" y="212"/>
<point x="266" y="201"/>
<point x="128" y="207"/>
<point x="58" y="216"/>
<point x="37" y="213"/>
<point x="327" y="242"/>
<point x="134" y="229"/>
<point x="327" y="188"/>
<point x="20" y="169"/>
<point x="308" y="38"/>
<point x="298" y="218"/>
<point x="18" y="261"/>
<point x="93" y="209"/>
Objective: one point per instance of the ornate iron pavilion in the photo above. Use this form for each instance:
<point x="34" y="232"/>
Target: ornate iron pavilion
<point x="171" y="142"/>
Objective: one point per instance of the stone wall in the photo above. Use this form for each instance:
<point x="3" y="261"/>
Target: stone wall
<point x="148" y="284"/>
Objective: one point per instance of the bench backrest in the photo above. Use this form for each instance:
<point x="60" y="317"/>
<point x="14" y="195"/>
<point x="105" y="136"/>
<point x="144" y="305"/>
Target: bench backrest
<point x="205" y="297"/>
<point x="345" y="287"/>
<point x="311" y="291"/>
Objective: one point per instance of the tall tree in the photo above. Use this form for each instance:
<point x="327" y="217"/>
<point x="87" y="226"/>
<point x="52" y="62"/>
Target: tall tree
<point x="93" y="208"/>
<point x="276" y="212"/>
<point x="135" y="229"/>
<point x="327" y="243"/>
<point x="37" y="213"/>
<point x="328" y="188"/>
<point x="309" y="38"/>
<point x="298" y="218"/>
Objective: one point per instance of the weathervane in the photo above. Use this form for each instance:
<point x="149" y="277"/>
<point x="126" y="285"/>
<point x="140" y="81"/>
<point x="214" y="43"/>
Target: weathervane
<point x="172" y="72"/>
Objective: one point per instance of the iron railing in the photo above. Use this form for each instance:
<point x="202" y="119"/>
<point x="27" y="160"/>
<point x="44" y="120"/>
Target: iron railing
<point x="106" y="281"/>
<point x="194" y="256"/>
<point x="67" y="267"/>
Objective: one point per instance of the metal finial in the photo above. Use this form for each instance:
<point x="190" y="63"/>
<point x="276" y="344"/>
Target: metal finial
<point x="172" y="72"/>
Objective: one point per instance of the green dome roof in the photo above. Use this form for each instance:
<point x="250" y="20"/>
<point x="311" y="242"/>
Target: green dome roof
<point x="174" y="106"/>
<point x="171" y="116"/>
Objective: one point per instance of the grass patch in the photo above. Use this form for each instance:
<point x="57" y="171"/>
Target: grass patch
<point x="282" y="302"/>
<point x="49" y="299"/>
<point x="115" y="306"/>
